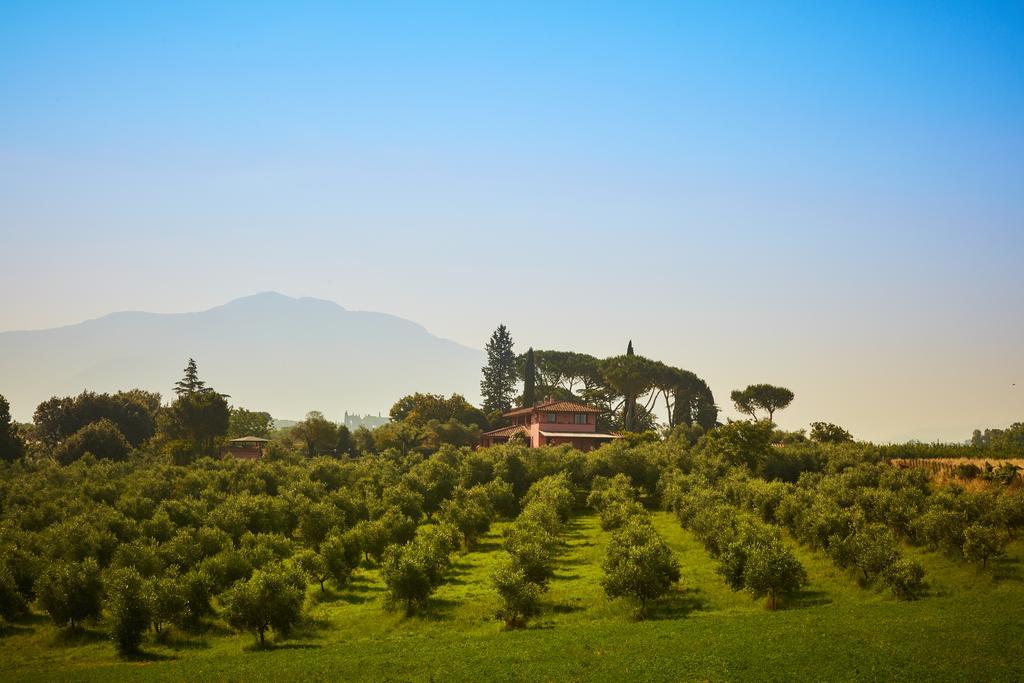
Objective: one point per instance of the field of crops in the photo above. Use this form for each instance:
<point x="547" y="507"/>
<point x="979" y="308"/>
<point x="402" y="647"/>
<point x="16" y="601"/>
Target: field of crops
<point x="967" y="627"/>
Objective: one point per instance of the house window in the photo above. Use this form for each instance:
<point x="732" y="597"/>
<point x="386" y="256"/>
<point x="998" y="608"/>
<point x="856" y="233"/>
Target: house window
<point x="551" y="417"/>
<point x="580" y="418"/>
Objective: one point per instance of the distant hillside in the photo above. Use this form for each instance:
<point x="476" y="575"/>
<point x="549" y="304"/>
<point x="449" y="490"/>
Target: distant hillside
<point x="270" y="352"/>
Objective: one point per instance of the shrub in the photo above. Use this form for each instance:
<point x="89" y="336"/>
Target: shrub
<point x="11" y="602"/>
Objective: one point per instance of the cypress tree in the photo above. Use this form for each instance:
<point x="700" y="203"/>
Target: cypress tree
<point x="529" y="380"/>
<point x="629" y="348"/>
<point x="498" y="384"/>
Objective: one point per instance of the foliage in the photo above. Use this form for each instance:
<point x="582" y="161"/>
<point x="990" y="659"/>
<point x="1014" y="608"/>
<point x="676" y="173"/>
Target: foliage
<point x="102" y="439"/>
<point x="826" y="432"/>
<point x="134" y="413"/>
<point x="520" y="597"/>
<point x="317" y="433"/>
<point x="638" y="563"/>
<point x="499" y="375"/>
<point x="197" y="418"/>
<point x="271" y="599"/>
<point x="983" y="542"/>
<point x="128" y="609"/>
<point x="766" y="397"/>
<point x="12" y="446"/>
<point x="243" y="422"/>
<point x="70" y="592"/>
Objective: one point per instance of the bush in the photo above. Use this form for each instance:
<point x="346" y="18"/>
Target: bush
<point x="128" y="609"/>
<point x="12" y="604"/>
<point x="532" y="550"/>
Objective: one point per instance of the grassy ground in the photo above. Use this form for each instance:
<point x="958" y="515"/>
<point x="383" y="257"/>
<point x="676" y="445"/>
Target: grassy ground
<point x="970" y="627"/>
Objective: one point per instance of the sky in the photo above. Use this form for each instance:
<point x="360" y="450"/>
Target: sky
<point x="821" y="196"/>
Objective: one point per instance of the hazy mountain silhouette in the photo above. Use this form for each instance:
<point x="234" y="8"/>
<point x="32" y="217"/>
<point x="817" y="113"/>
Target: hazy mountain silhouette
<point x="268" y="351"/>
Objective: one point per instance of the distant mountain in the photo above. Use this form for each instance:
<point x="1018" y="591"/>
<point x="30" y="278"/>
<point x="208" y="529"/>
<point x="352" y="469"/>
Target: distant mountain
<point x="269" y="352"/>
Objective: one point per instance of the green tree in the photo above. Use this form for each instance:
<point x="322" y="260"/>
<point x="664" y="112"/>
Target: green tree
<point x="340" y="552"/>
<point x="629" y="376"/>
<point x="766" y="397"/>
<point x="313" y="565"/>
<point x="638" y="564"/>
<point x="520" y="597"/>
<point x="103" y="439"/>
<point x="529" y="380"/>
<point x="826" y="432"/>
<point x="70" y="592"/>
<point x="317" y="433"/>
<point x="128" y="607"/>
<point x="243" y="422"/>
<point x="771" y="569"/>
<point x="406" y="571"/>
<point x="12" y="446"/>
<point x="499" y="380"/>
<point x="983" y="542"/>
<point x="190" y="383"/>
<point x="12" y="604"/>
<point x="346" y="445"/>
<point x="271" y="599"/>
<point x="198" y="418"/>
<point x="905" y="578"/>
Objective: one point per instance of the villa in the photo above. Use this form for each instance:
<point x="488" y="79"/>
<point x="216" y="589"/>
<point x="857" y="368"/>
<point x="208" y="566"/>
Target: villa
<point x="552" y="423"/>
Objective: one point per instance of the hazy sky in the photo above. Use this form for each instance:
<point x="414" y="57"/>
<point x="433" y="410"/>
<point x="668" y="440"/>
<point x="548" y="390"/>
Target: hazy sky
<point x="828" y="198"/>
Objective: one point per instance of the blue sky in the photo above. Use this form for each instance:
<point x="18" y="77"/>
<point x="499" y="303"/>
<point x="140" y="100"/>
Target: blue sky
<point x="829" y="198"/>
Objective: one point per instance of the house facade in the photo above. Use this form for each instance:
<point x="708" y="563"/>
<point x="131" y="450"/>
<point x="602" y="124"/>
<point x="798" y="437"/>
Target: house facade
<point x="552" y="423"/>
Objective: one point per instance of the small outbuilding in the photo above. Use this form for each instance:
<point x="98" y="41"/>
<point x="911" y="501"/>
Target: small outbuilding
<point x="244" y="448"/>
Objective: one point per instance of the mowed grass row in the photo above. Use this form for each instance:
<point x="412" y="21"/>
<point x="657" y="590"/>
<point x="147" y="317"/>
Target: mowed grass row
<point x="969" y="627"/>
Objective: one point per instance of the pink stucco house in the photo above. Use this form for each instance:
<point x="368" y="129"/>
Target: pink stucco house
<point x="552" y="423"/>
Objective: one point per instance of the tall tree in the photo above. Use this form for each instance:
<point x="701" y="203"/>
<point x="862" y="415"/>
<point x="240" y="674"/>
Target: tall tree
<point x="190" y="383"/>
<point x="629" y="348"/>
<point x="498" y="384"/>
<point x="529" y="380"/>
<point x="766" y="397"/>
<point x="630" y="377"/>
<point x="11" y="445"/>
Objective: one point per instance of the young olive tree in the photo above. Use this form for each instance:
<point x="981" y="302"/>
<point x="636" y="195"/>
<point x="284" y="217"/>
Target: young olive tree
<point x="638" y="564"/>
<point x="271" y="599"/>
<point x="128" y="607"/>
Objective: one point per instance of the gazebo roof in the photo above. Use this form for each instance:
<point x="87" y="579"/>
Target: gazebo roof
<point x="249" y="439"/>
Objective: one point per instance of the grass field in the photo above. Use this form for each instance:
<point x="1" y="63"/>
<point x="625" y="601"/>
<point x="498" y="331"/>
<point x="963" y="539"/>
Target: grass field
<point x="969" y="627"/>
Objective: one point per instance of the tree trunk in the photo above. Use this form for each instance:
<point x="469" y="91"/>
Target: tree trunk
<point x="263" y="641"/>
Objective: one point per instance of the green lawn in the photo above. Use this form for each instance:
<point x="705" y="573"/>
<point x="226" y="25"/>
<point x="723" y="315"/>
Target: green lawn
<point x="970" y="627"/>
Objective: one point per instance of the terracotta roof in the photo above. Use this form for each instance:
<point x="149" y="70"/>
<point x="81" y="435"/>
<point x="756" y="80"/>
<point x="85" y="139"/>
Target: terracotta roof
<point x="506" y="431"/>
<point x="556" y="407"/>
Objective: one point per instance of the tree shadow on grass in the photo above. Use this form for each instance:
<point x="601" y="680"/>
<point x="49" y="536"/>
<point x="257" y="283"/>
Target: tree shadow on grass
<point x="270" y="646"/>
<point x="803" y="599"/>
<point x="73" y="637"/>
<point x="676" y="604"/>
<point x="436" y="609"/>
<point x="485" y="546"/>
<point x="566" y="609"/>
<point x="143" y="657"/>
<point x="1006" y="569"/>
<point x="22" y="624"/>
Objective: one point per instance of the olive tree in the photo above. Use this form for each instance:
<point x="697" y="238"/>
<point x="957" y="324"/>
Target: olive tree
<point x="983" y="542"/>
<point x="128" y="607"/>
<point x="638" y="564"/>
<point x="271" y="599"/>
<point x="520" y="597"/>
<point x="772" y="570"/>
<point x="70" y="592"/>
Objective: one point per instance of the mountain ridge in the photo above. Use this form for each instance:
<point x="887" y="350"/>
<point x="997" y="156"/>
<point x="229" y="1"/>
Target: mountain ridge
<point x="270" y="351"/>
